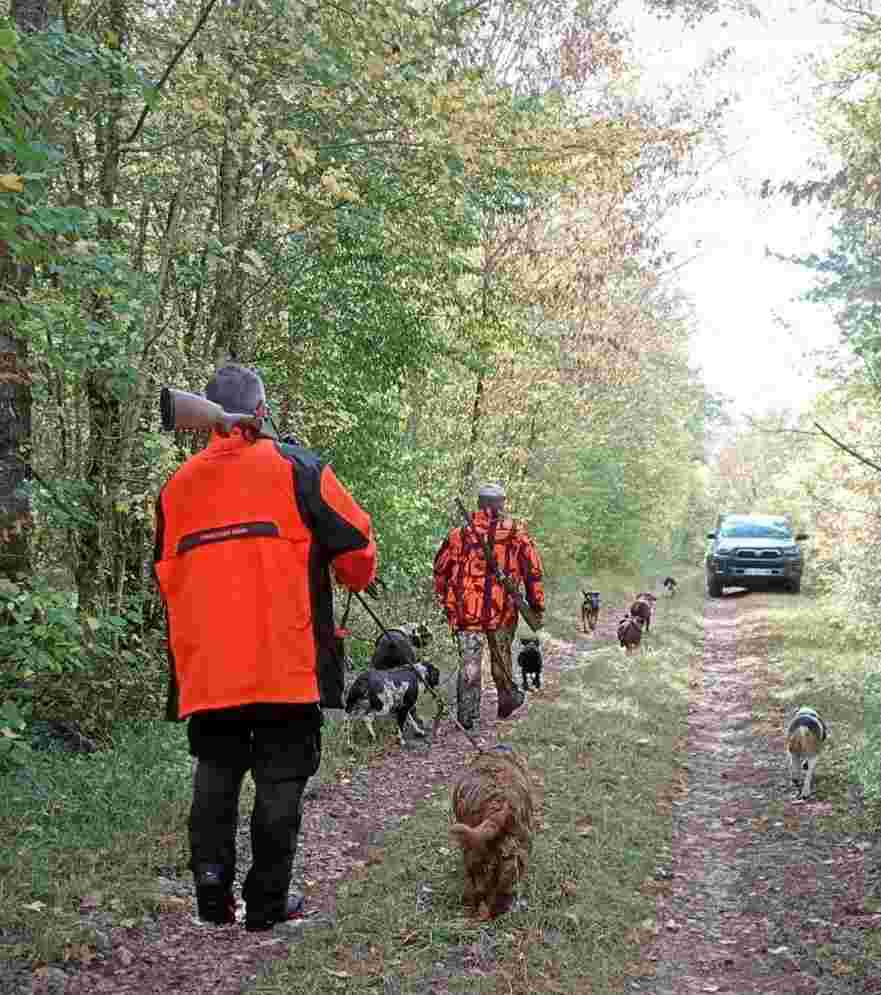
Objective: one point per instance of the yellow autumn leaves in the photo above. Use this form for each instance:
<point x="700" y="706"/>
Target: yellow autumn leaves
<point x="11" y="183"/>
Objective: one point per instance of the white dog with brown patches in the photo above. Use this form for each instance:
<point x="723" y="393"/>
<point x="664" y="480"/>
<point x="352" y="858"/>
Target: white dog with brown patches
<point x="805" y="736"/>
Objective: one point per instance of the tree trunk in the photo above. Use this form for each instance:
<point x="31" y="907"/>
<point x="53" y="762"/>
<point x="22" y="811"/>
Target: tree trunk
<point x="92" y="578"/>
<point x="225" y="330"/>
<point x="15" y="434"/>
<point x="30" y="15"/>
<point x="15" y="385"/>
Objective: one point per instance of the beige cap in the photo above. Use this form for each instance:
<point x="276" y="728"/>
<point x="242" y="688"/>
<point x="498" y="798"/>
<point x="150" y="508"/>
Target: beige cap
<point x="491" y="491"/>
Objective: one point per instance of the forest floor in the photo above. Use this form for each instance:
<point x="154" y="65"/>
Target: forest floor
<point x="671" y="856"/>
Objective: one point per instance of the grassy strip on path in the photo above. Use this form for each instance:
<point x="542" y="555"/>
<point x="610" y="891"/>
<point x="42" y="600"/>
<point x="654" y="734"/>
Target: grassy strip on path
<point x="602" y="746"/>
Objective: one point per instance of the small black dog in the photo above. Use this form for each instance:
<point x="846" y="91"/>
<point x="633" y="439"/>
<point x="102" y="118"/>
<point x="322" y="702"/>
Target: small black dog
<point x="670" y="585"/>
<point x="397" y="647"/>
<point x="530" y="662"/>
<point x="376" y="693"/>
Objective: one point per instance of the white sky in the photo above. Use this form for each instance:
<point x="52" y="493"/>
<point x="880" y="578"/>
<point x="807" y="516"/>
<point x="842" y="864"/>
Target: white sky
<point x="743" y="350"/>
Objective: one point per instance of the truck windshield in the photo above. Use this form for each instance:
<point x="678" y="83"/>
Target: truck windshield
<point x="755" y="530"/>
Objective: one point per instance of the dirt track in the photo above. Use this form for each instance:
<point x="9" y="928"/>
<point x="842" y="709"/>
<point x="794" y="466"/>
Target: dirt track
<point x="758" y="890"/>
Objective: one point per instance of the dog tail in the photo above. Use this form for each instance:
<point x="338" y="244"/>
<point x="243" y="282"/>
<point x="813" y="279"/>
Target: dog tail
<point x="475" y="837"/>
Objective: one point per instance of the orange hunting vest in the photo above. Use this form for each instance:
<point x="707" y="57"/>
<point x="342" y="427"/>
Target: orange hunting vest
<point x="246" y="582"/>
<point x="470" y="593"/>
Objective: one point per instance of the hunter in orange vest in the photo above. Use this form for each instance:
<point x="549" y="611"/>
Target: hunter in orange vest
<point x="477" y="605"/>
<point x="247" y="533"/>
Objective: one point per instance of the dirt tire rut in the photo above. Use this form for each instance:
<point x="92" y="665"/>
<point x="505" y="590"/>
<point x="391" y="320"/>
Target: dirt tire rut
<point x="762" y="899"/>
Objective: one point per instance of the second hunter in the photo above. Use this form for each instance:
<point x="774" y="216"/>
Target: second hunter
<point x="473" y="594"/>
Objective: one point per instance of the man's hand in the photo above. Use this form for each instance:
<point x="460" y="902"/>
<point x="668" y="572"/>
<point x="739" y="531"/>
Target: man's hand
<point x="373" y="588"/>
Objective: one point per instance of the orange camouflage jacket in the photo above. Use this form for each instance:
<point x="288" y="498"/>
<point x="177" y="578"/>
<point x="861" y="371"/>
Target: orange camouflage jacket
<point x="469" y="592"/>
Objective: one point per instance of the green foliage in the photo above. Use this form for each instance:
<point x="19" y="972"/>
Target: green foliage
<point x="58" y="663"/>
<point x="42" y="635"/>
<point x="13" y="746"/>
<point x="384" y="229"/>
<point x="866" y="762"/>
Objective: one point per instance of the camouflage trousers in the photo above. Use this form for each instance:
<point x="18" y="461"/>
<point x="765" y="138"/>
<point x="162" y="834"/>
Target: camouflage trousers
<point x="470" y="644"/>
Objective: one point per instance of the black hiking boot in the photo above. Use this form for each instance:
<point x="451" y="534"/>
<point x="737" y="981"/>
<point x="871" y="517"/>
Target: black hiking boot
<point x="214" y="901"/>
<point x="294" y="910"/>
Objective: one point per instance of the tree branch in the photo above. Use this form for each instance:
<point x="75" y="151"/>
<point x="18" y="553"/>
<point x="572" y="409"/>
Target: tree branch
<point x="847" y="449"/>
<point x="170" y="67"/>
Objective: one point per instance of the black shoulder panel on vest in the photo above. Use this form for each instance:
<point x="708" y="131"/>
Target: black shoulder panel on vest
<point x="307" y="467"/>
<point x="159" y="543"/>
<point x="333" y="532"/>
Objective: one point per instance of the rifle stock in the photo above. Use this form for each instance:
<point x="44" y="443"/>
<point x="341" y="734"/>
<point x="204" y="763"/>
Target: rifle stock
<point x="523" y="608"/>
<point x="181" y="410"/>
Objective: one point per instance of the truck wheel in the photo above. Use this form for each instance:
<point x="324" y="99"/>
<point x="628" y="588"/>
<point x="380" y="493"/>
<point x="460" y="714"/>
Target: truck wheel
<point x="714" y="587"/>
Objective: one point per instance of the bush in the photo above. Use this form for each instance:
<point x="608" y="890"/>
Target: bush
<point x="95" y="669"/>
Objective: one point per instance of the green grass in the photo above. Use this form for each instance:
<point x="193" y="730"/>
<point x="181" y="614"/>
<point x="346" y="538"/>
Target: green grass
<point x="604" y="753"/>
<point x="98" y="827"/>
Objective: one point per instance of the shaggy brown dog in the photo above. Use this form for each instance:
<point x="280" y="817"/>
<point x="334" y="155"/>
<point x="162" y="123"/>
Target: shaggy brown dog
<point x="492" y="806"/>
<point x="642" y="608"/>
<point x="630" y="633"/>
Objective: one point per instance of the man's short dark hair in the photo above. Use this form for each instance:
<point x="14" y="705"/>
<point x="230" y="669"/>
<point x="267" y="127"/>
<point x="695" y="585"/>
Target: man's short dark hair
<point x="237" y="389"/>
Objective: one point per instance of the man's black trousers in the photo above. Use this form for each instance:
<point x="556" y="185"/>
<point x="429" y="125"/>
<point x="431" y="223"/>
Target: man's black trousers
<point x="281" y="746"/>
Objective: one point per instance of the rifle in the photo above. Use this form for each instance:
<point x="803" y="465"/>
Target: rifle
<point x="180" y="410"/>
<point x="531" y="618"/>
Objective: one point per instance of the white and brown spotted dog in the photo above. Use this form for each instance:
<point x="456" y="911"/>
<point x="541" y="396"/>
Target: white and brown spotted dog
<point x="805" y="735"/>
<point x="376" y="693"/>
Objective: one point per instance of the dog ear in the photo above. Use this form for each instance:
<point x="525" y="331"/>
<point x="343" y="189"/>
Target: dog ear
<point x="477" y="837"/>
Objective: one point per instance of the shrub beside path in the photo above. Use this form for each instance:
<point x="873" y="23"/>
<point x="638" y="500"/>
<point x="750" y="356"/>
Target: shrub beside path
<point x="762" y="898"/>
